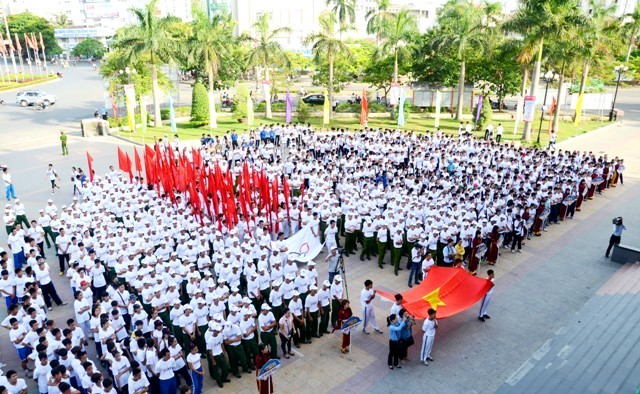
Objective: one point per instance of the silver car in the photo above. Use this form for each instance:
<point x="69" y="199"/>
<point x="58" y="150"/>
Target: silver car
<point x="31" y="97"/>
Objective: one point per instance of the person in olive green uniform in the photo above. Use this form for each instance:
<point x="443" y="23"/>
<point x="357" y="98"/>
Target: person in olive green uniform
<point x="63" y="143"/>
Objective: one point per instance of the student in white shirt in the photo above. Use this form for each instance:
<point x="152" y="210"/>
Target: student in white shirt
<point x="164" y="370"/>
<point x="429" y="327"/>
<point x="366" y="297"/>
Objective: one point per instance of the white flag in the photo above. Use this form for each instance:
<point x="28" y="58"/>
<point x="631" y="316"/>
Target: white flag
<point x="303" y="245"/>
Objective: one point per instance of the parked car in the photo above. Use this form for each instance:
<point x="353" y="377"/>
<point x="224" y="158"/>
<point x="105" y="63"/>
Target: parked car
<point x="317" y="99"/>
<point x="30" y="97"/>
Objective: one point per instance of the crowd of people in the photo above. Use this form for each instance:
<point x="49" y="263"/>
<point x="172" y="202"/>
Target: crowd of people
<point x="161" y="291"/>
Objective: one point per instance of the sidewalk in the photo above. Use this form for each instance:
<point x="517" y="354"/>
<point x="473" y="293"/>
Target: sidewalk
<point x="536" y="291"/>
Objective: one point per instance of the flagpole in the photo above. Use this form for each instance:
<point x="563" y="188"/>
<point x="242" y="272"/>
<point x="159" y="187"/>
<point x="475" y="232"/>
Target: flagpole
<point x="36" y="54"/>
<point x="19" y="47"/>
<point x="44" y="55"/>
<point x="26" y="43"/>
<point x="13" y="60"/>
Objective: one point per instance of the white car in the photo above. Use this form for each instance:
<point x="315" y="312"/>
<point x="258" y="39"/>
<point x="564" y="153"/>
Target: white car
<point x="31" y="97"/>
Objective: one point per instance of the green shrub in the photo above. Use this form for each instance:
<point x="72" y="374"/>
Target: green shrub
<point x="486" y="114"/>
<point x="275" y="107"/>
<point x="239" y="107"/>
<point x="302" y="113"/>
<point x="407" y="111"/>
<point x="164" y="114"/>
<point x="199" y="103"/>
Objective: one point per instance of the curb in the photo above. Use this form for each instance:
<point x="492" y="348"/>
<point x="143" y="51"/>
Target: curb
<point x="599" y="129"/>
<point x="17" y="88"/>
<point x="125" y="139"/>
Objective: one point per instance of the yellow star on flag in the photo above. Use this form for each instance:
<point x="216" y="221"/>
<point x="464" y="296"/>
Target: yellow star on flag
<point x="433" y="299"/>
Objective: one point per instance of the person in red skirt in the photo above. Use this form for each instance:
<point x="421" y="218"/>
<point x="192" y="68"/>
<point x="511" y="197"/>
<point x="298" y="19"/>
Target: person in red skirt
<point x="494" y="248"/>
<point x="582" y="191"/>
<point x="264" y="386"/>
<point x="473" y="260"/>
<point x="343" y="314"/>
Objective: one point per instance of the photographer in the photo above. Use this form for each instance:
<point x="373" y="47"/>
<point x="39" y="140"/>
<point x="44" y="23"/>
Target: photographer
<point x="333" y="259"/>
<point x="616" y="235"/>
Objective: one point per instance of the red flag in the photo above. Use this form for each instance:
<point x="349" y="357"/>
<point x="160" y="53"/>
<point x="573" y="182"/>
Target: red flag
<point x="287" y="193"/>
<point x="128" y="160"/>
<point x="138" y="161"/>
<point x="274" y="193"/>
<point x="10" y="43"/>
<point x="34" y="41"/>
<point x="3" y="49"/>
<point x="122" y="160"/>
<point x="149" y="165"/>
<point x="364" y="108"/>
<point x="18" y="46"/>
<point x="41" y="42"/>
<point x="90" y="165"/>
<point x="447" y="290"/>
<point x="27" y="41"/>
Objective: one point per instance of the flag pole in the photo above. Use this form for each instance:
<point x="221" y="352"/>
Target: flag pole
<point x="44" y="55"/>
<point x="19" y="47"/>
<point x="36" y="54"/>
<point x="26" y="43"/>
<point x="13" y="60"/>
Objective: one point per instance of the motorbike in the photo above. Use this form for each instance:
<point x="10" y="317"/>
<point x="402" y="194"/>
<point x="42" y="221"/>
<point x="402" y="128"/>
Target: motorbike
<point x="40" y="106"/>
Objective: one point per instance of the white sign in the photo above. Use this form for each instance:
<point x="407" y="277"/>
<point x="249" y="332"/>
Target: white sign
<point x="529" y="108"/>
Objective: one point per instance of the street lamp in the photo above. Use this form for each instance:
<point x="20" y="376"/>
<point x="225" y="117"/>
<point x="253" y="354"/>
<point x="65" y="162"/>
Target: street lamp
<point x="621" y="69"/>
<point x="127" y="71"/>
<point x="549" y="77"/>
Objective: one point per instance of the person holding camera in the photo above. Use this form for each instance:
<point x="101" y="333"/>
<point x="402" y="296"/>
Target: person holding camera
<point x="417" y="253"/>
<point x="395" y="339"/>
<point x="616" y="235"/>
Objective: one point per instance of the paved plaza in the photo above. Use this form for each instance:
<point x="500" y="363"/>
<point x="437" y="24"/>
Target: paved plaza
<point x="537" y="292"/>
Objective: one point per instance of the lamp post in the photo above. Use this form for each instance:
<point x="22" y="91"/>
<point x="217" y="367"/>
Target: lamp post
<point x="549" y="77"/>
<point x="621" y="69"/>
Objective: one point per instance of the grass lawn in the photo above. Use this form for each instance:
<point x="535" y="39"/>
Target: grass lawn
<point x="188" y="131"/>
<point x="29" y="79"/>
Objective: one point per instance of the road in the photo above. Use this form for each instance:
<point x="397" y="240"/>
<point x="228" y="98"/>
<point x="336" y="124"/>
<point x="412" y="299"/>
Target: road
<point x="79" y="93"/>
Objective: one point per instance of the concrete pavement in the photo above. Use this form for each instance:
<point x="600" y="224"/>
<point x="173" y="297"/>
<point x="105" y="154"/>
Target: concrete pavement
<point x="537" y="292"/>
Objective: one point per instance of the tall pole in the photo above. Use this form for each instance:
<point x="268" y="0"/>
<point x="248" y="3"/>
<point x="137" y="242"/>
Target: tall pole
<point x="546" y="89"/>
<point x="6" y="26"/>
<point x="613" y="104"/>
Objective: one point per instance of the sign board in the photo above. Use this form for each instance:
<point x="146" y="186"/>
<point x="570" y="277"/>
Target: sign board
<point x="529" y="108"/>
<point x="350" y="324"/>
<point x="269" y="369"/>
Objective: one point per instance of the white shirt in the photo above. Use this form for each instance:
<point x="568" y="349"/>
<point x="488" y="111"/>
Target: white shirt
<point x="165" y="369"/>
<point x="429" y="327"/>
<point x="365" y="295"/>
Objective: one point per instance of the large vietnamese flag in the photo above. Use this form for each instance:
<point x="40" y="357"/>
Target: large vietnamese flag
<point x="447" y="290"/>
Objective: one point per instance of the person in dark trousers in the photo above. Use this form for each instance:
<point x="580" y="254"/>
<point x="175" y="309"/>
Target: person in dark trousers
<point x="616" y="235"/>
<point x="395" y="336"/>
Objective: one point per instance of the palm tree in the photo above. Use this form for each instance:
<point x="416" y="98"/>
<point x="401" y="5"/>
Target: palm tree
<point x="632" y="28"/>
<point x="266" y="51"/>
<point x="62" y="20"/>
<point x="345" y="10"/>
<point x="596" y="38"/>
<point x="377" y="19"/>
<point x="149" y="38"/>
<point x="400" y="28"/>
<point x="538" y="21"/>
<point x="462" y="28"/>
<point x="209" y="42"/>
<point x="325" y="45"/>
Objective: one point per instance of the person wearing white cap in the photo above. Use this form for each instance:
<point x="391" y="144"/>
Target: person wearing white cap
<point x="218" y="366"/>
<point x="233" y="344"/>
<point x="337" y="291"/>
<point x="268" y="323"/>
<point x="297" y="310"/>
<point x="21" y="215"/>
<point x="312" y="308"/>
<point x="324" y="296"/>
<point x="249" y="338"/>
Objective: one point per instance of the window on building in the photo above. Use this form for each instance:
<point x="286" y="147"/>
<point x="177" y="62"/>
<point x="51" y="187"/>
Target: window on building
<point x="424" y="14"/>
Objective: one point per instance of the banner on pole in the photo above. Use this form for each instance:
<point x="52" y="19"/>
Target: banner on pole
<point x="289" y="107"/>
<point x="438" y="104"/>
<point x="403" y="97"/>
<point x="518" y="114"/>
<point x="130" y="101"/>
<point x="529" y="108"/>
<point x="213" y="122"/>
